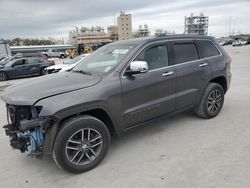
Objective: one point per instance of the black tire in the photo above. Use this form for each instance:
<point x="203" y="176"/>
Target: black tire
<point x="3" y="76"/>
<point x="211" y="101"/>
<point x="43" y="72"/>
<point x="62" y="56"/>
<point x="73" y="129"/>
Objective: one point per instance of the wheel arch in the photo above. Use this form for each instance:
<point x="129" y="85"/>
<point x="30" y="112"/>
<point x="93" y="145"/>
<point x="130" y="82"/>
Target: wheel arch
<point x="220" y="80"/>
<point x="98" y="113"/>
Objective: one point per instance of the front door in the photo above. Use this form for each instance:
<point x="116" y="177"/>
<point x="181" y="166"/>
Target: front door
<point x="152" y="94"/>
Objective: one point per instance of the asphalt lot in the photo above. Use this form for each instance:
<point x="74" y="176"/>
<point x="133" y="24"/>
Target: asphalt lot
<point x="180" y="151"/>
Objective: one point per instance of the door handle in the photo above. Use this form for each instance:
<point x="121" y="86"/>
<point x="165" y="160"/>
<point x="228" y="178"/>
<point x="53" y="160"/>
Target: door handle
<point x="167" y="73"/>
<point x="203" y="65"/>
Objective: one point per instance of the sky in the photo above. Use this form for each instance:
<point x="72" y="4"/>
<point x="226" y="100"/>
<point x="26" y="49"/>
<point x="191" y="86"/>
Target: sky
<point x="55" y="18"/>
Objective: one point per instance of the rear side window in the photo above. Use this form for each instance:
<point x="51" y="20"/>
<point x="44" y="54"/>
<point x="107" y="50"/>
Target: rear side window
<point x="34" y="61"/>
<point x="185" y="52"/>
<point x="207" y="48"/>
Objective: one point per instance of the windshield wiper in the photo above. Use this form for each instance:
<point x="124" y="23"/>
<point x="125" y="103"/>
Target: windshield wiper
<point x="82" y="72"/>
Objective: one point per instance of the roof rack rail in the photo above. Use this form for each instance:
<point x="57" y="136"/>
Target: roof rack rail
<point x="184" y="34"/>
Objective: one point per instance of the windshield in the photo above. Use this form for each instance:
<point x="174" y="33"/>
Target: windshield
<point x="105" y="59"/>
<point x="9" y="63"/>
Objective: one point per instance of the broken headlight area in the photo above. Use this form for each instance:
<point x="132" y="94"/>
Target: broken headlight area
<point x="25" y="129"/>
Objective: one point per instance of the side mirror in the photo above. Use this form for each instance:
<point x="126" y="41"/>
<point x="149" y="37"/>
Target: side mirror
<point x="137" y="67"/>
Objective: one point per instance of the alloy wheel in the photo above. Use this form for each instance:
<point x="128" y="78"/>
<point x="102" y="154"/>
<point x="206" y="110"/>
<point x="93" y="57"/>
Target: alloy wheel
<point x="84" y="146"/>
<point x="44" y="72"/>
<point x="214" y="101"/>
<point x="3" y="76"/>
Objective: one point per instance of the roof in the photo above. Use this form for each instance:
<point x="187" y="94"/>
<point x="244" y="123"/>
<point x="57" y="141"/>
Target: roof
<point x="151" y="39"/>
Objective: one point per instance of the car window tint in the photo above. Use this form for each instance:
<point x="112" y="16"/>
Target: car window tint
<point x="19" y="62"/>
<point x="156" y="57"/>
<point x="34" y="61"/>
<point x="185" y="52"/>
<point x="207" y="48"/>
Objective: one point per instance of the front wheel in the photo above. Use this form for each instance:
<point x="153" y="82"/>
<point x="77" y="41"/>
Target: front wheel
<point x="211" y="102"/>
<point x="3" y="76"/>
<point x="81" y="144"/>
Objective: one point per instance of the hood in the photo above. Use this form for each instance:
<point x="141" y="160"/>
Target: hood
<point x="60" y="66"/>
<point x="68" y="67"/>
<point x="29" y="92"/>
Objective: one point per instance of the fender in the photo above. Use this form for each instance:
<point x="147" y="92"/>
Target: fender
<point x="61" y="116"/>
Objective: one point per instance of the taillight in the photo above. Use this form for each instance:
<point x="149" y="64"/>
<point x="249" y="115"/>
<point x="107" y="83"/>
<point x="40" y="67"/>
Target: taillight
<point x="229" y="61"/>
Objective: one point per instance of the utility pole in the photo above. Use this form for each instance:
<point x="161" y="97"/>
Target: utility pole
<point x="229" y="26"/>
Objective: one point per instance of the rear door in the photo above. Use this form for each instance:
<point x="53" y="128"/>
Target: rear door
<point x="190" y="72"/>
<point x="148" y="95"/>
<point x="34" y="65"/>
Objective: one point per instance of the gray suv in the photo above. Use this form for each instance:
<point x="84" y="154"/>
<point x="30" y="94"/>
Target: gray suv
<point x="72" y="114"/>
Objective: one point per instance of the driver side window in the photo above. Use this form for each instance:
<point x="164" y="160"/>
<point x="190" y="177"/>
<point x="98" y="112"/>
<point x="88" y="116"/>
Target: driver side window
<point x="156" y="57"/>
<point x="19" y="62"/>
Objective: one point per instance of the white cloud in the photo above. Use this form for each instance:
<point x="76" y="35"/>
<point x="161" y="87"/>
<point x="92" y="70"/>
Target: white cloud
<point x="37" y="18"/>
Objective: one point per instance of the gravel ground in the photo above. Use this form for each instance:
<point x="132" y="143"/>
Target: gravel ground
<point x="180" y="151"/>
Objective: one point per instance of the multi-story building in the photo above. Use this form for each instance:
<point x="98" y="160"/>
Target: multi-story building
<point x="124" y="26"/>
<point x="196" y="24"/>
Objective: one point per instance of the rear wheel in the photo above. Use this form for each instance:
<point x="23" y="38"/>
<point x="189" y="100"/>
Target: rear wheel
<point x="43" y="72"/>
<point x="211" y="102"/>
<point x="81" y="144"/>
<point x="3" y="76"/>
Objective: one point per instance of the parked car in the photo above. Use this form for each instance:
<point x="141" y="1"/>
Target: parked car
<point x="66" y="66"/>
<point x="226" y="42"/>
<point x="23" y="67"/>
<point x="20" y="55"/>
<point x="72" y="115"/>
<point x="39" y="55"/>
<point x="2" y="58"/>
<point x="239" y="42"/>
<point x="54" y="53"/>
<point x="10" y="58"/>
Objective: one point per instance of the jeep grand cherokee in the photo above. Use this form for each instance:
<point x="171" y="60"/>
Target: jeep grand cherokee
<point x="71" y="115"/>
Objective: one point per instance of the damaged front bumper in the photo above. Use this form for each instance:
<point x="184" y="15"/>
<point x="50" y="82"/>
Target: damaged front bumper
<point x="28" y="134"/>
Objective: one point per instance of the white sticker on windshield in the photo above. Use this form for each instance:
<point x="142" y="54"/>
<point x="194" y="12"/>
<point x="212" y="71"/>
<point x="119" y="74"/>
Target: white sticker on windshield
<point x="120" y="51"/>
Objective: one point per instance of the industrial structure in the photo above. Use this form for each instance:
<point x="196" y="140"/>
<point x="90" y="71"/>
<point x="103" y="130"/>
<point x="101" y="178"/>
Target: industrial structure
<point x="121" y="31"/>
<point x="4" y="48"/>
<point x="160" y="32"/>
<point x="124" y="26"/>
<point x="113" y="32"/>
<point x="84" y="35"/>
<point x="196" y="24"/>
<point x="143" y="31"/>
